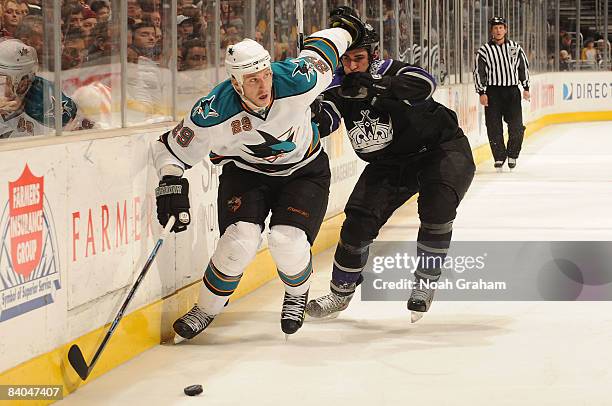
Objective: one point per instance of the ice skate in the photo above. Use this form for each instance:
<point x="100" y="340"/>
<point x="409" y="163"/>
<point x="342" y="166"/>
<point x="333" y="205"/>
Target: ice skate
<point x="329" y="306"/>
<point x="191" y="324"/>
<point x="511" y="163"/>
<point x="292" y="314"/>
<point x="499" y="166"/>
<point x="420" y="300"/>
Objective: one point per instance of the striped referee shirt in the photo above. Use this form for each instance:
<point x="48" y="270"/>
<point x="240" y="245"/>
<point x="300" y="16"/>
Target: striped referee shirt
<point x="500" y="65"/>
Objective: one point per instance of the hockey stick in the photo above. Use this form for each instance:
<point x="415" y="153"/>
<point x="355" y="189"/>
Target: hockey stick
<point x="299" y="16"/>
<point x="75" y="355"/>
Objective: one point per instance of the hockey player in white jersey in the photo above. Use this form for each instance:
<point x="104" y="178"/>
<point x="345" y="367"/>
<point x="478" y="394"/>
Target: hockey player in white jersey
<point x="26" y="100"/>
<point x="257" y="124"/>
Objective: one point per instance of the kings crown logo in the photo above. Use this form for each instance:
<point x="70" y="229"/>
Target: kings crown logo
<point x="29" y="262"/>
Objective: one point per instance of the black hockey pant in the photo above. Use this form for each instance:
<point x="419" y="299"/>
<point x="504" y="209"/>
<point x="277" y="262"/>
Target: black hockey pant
<point x="504" y="102"/>
<point x="441" y="178"/>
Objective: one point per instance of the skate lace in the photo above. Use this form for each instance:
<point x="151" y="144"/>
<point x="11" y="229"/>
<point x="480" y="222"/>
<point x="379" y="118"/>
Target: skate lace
<point x="421" y="294"/>
<point x="330" y="301"/>
<point x="196" y="319"/>
<point x="293" y="307"/>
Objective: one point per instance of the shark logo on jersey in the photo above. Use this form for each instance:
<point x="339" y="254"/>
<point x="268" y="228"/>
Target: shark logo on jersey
<point x="272" y="148"/>
<point x="302" y="68"/>
<point x="68" y="112"/>
<point x="369" y="134"/>
<point x="205" y="109"/>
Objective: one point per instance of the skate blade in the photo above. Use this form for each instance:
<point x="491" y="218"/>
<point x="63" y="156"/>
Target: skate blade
<point x="178" y="339"/>
<point x="499" y="170"/>
<point x="415" y="316"/>
<point x="324" y="318"/>
<point x="286" y="337"/>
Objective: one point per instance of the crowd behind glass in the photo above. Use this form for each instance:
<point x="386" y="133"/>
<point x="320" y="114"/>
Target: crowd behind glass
<point x="149" y="83"/>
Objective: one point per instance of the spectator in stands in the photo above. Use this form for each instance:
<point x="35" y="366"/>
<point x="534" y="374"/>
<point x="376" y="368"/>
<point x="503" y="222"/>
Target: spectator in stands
<point x="154" y="16"/>
<point x="238" y="25"/>
<point x="88" y="24"/>
<point x="25" y="10"/>
<point x="144" y="41"/>
<point x="280" y="47"/>
<point x="147" y="6"/>
<point x="233" y="30"/>
<point x="589" y="54"/>
<point x="259" y="37"/>
<point x="199" y="23"/>
<point x="134" y="10"/>
<point x="564" y="60"/>
<point x="132" y="55"/>
<point x="184" y="28"/>
<point x="194" y="54"/>
<point x="566" y="43"/>
<point x="227" y="13"/>
<point x="73" y="14"/>
<point x="189" y="10"/>
<point x="74" y="53"/>
<point x="157" y="5"/>
<point x="12" y="15"/>
<point x="183" y="4"/>
<point x="103" y="46"/>
<point x="158" y="36"/>
<point x="102" y="10"/>
<point x="30" y="32"/>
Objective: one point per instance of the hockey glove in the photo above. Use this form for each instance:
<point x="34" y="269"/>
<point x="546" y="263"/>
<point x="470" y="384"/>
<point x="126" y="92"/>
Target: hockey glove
<point x="362" y="85"/>
<point x="172" y="197"/>
<point x="315" y="110"/>
<point x="345" y="17"/>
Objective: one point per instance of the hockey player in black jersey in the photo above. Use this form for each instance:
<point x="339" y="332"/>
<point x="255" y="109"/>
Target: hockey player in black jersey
<point x="412" y="144"/>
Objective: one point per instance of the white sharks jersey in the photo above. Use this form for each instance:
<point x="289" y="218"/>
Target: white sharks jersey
<point x="276" y="143"/>
<point x="20" y="124"/>
<point x="37" y="117"/>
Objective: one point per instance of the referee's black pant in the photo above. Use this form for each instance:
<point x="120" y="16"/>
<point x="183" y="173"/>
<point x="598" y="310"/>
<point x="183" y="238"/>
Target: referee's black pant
<point x="504" y="102"/>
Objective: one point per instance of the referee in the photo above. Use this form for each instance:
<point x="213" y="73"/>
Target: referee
<point x="501" y="65"/>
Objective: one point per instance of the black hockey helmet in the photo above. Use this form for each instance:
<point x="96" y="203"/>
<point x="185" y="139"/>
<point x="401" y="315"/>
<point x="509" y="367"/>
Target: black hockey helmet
<point x="497" y="21"/>
<point x="370" y="41"/>
<point x="370" y="38"/>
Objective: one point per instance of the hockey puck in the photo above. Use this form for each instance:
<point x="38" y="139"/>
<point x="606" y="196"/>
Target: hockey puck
<point x="193" y="390"/>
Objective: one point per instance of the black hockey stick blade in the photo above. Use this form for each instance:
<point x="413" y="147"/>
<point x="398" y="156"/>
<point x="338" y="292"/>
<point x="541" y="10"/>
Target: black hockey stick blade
<point x="75" y="356"/>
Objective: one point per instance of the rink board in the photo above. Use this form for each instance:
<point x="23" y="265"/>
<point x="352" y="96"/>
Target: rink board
<point x="88" y="225"/>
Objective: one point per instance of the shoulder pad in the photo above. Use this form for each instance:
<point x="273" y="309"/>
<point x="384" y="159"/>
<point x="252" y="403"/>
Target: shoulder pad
<point x="40" y="104"/>
<point x="220" y="104"/>
<point x="381" y="66"/>
<point x="293" y="77"/>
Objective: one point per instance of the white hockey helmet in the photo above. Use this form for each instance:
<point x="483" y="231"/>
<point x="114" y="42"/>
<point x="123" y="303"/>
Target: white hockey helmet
<point x="244" y="57"/>
<point x="18" y="61"/>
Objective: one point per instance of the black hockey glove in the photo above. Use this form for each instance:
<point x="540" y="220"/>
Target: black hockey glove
<point x="172" y="197"/>
<point x="345" y="17"/>
<point x="315" y="110"/>
<point x="362" y="85"/>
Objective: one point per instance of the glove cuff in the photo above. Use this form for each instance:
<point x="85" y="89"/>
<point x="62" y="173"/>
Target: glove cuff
<point x="171" y="170"/>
